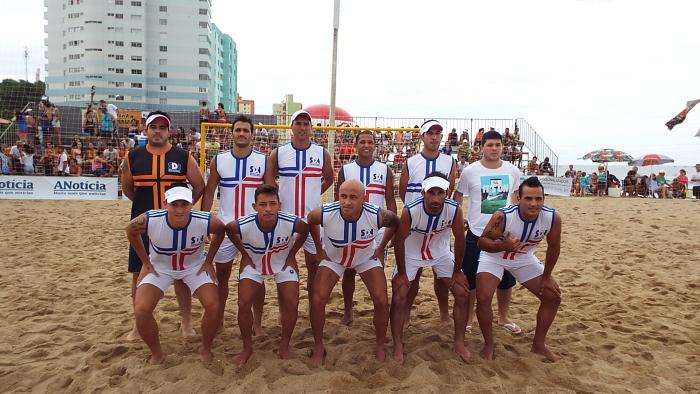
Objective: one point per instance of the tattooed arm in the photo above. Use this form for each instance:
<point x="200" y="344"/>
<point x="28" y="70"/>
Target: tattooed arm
<point x="134" y="230"/>
<point x="390" y="221"/>
<point x="490" y="240"/>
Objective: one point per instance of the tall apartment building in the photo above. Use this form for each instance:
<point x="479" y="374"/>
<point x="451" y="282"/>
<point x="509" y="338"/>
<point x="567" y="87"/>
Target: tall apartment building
<point x="141" y="54"/>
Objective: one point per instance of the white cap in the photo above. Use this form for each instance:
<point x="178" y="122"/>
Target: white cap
<point x="299" y="113"/>
<point x="178" y="193"/>
<point x="153" y="117"/>
<point x="435" y="181"/>
<point x="427" y="125"/>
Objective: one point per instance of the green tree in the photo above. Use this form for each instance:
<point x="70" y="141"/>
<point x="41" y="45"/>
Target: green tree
<point x="14" y="95"/>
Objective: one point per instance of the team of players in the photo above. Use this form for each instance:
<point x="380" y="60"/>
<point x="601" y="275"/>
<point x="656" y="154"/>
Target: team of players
<point x="267" y="228"/>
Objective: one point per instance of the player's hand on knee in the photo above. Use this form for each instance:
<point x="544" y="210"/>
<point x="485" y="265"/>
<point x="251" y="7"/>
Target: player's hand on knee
<point x="291" y="262"/>
<point x="245" y="261"/>
<point x="548" y="283"/>
<point x="321" y="255"/>
<point x="209" y="269"/>
<point x="459" y="279"/>
<point x="400" y="280"/>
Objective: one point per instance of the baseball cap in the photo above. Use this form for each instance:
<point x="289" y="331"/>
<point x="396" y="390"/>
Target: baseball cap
<point x="435" y="181"/>
<point x="178" y="193"/>
<point x="428" y="124"/>
<point x="300" y="113"/>
<point x="155" y="116"/>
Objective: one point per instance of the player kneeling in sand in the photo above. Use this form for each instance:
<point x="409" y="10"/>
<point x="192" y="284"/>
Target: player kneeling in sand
<point x="349" y="228"/>
<point x="423" y="240"/>
<point x="268" y="249"/>
<point x="177" y="236"/>
<point x="530" y="221"/>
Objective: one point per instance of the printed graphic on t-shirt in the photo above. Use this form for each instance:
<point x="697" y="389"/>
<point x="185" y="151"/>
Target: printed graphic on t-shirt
<point x="494" y="192"/>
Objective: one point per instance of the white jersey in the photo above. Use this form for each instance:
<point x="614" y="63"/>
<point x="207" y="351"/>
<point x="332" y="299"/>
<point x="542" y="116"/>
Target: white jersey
<point x="300" y="172"/>
<point x="238" y="179"/>
<point x="176" y="249"/>
<point x="267" y="249"/>
<point x="429" y="238"/>
<point x="530" y="234"/>
<point x="349" y="242"/>
<point x="419" y="167"/>
<point x="374" y="178"/>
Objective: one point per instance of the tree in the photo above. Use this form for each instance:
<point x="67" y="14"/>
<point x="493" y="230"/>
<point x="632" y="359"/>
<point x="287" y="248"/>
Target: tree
<point x="14" y="95"/>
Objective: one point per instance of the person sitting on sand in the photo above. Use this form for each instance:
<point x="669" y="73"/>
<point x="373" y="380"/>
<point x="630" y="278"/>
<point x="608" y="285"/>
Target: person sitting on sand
<point x="662" y="186"/>
<point x="677" y="189"/>
<point x="585" y="184"/>
<point x="177" y="237"/>
<point x="629" y="185"/>
<point x="422" y="241"/>
<point x="500" y="252"/>
<point x="643" y="186"/>
<point x="593" y="181"/>
<point x="268" y="249"/>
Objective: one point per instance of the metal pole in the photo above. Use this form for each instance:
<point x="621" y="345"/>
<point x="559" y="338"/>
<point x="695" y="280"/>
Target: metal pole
<point x="331" y="133"/>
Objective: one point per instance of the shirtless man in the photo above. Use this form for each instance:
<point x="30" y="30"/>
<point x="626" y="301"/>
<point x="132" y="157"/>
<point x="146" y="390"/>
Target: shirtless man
<point x="350" y="227"/>
<point x="268" y="250"/>
<point x="423" y="240"/>
<point x="530" y="221"/>
<point x="177" y="236"/>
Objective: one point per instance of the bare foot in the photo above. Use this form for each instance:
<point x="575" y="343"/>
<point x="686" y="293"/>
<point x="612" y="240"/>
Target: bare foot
<point x="186" y="329"/>
<point x="488" y="352"/>
<point x="462" y="352"/>
<point x="243" y="357"/>
<point x="318" y="356"/>
<point x="156" y="359"/>
<point x="544" y="351"/>
<point x="398" y="354"/>
<point x="379" y="353"/>
<point x="133" y="335"/>
<point x="347" y="318"/>
<point x="258" y="331"/>
<point x="205" y="355"/>
<point x="283" y="352"/>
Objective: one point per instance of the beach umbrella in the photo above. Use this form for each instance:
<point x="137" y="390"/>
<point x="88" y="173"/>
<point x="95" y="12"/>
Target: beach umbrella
<point x="607" y="156"/>
<point x="650" y="159"/>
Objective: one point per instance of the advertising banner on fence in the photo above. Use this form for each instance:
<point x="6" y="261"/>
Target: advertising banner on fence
<point x="57" y="188"/>
<point x="556" y="186"/>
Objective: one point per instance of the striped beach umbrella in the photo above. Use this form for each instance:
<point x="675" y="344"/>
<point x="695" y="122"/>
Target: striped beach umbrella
<point x="650" y="159"/>
<point x="607" y="155"/>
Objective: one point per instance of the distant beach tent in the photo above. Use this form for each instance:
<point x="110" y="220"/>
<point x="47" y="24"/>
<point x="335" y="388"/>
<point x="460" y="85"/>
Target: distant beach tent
<point x="323" y="111"/>
<point x="607" y="156"/>
<point x="651" y="159"/>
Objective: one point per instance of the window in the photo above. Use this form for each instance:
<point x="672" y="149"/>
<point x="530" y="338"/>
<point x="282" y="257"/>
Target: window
<point x="162" y="101"/>
<point x="119" y="70"/>
<point x="163" y="74"/>
<point x="119" y="43"/>
<point x="119" y="84"/>
<point x="203" y="63"/>
<point x="203" y="25"/>
<point x="163" y="48"/>
<point x="136" y="30"/>
<point x="74" y="43"/>
<point x="118" y="16"/>
<point x="136" y="3"/>
<point x="135" y="17"/>
<point x="119" y="57"/>
<point x="204" y="77"/>
<point x="203" y="90"/>
<point x="162" y="22"/>
<point x="136" y="45"/>
<point x="75" y="56"/>
<point x="163" y="88"/>
<point x="136" y="71"/>
<point x="119" y="98"/>
<point x="137" y="85"/>
<point x="118" y="2"/>
<point x="75" y="83"/>
<point x="203" y="11"/>
<point x="76" y="69"/>
<point x="163" y="8"/>
<point x="163" y="62"/>
<point x="74" y="15"/>
<point x="136" y="58"/>
<point x="203" y="51"/>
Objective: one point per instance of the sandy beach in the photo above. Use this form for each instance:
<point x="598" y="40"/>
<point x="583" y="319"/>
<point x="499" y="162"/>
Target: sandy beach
<point x="628" y="320"/>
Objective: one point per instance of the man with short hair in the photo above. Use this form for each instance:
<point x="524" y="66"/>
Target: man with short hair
<point x="177" y="235"/>
<point x="305" y="173"/>
<point x="415" y="170"/>
<point x="107" y="120"/>
<point x="236" y="173"/>
<point x="147" y="172"/>
<point x="350" y="227"/>
<point x="423" y="240"/>
<point x="490" y="184"/>
<point x="695" y="182"/>
<point x="378" y="180"/>
<point x="268" y="249"/>
<point x="509" y="242"/>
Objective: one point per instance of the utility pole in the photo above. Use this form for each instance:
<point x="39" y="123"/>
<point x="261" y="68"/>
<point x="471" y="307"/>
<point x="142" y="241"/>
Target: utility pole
<point x="26" y="57"/>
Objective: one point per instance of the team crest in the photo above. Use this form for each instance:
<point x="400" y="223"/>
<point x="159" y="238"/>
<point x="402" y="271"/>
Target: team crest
<point x="255" y="170"/>
<point x="377" y="178"/>
<point x="314" y="161"/>
<point x="174" y="167"/>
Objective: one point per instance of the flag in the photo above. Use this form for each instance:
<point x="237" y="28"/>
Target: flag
<point x="678" y="119"/>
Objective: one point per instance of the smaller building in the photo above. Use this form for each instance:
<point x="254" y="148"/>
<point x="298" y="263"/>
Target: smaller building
<point x="246" y="107"/>
<point x="285" y="109"/>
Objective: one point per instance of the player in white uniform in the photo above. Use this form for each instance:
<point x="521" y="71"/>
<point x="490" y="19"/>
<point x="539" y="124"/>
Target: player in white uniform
<point x="423" y="240"/>
<point x="350" y="227"/>
<point x="415" y="170"/>
<point x="508" y="243"/>
<point x="379" y="190"/>
<point x="177" y="236"/>
<point x="305" y="172"/>
<point x="268" y="249"/>
<point x="236" y="173"/>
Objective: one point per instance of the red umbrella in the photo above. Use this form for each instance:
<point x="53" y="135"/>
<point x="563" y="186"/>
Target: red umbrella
<point x="650" y="159"/>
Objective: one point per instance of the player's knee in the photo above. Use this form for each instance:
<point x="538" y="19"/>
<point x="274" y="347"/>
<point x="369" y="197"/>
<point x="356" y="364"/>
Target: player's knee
<point x="551" y="298"/>
<point x="461" y="296"/>
<point x="290" y="303"/>
<point x="483" y="298"/>
<point x="245" y="301"/>
<point x="319" y="299"/>
<point x="142" y="311"/>
<point x="380" y="301"/>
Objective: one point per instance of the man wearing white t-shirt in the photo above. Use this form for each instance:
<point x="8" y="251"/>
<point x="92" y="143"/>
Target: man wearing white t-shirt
<point x="695" y="182"/>
<point x="62" y="168"/>
<point x="490" y="184"/>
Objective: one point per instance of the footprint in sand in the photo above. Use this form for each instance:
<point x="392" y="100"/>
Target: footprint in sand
<point x="116" y="352"/>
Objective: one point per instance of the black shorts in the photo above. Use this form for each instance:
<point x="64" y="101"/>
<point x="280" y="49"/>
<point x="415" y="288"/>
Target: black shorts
<point x="471" y="263"/>
<point x="696" y="191"/>
<point x="134" y="260"/>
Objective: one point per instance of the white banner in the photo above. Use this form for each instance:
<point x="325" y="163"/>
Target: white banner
<point x="556" y="186"/>
<point x="57" y="188"/>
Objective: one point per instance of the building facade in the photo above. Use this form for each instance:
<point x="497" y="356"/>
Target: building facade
<point x="285" y="109"/>
<point x="141" y="54"/>
<point x="246" y="107"/>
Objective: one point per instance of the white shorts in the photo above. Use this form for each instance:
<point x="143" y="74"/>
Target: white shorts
<point x="339" y="269"/>
<point x="288" y="274"/>
<point x="522" y="270"/>
<point x="227" y="252"/>
<point x="444" y="267"/>
<point x="166" y="277"/>
<point x="309" y="245"/>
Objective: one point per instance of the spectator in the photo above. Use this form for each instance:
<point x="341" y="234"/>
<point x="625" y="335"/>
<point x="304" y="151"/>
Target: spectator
<point x="203" y="112"/>
<point x="576" y="184"/>
<point x="49" y="158"/>
<point x="464" y="136"/>
<point x="90" y="122"/>
<point x="452" y="138"/>
<point x="45" y="117"/>
<point x="662" y="185"/>
<point x="546" y="167"/>
<point x="644" y="185"/>
<point x="695" y="182"/>
<point x="594" y="183"/>
<point x="27" y="159"/>
<point x="76" y="149"/>
<point x="478" y="136"/>
<point x="111" y="155"/>
<point x="16" y="156"/>
<point x="101" y="166"/>
<point x="683" y="178"/>
<point x="4" y="161"/>
<point x="602" y="181"/>
<point x="133" y="128"/>
<point x="508" y="138"/>
<point x="677" y="188"/>
<point x="221" y="114"/>
<point x="62" y="168"/>
<point x="464" y="150"/>
<point x="74" y="168"/>
<point x="21" y="126"/>
<point x="29" y="119"/>
<point x="629" y="185"/>
<point x="532" y="166"/>
<point x="585" y="184"/>
<point x="107" y="121"/>
<point x="612" y="181"/>
<point x="56" y="123"/>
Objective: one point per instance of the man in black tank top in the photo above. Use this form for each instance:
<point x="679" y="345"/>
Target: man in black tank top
<point x="147" y="172"/>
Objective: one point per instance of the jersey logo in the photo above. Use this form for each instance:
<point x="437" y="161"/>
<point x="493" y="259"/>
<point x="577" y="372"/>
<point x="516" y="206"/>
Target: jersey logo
<point x="367" y="233"/>
<point x="255" y="171"/>
<point x="377" y="178"/>
<point x="174" y="167"/>
<point x="282" y="240"/>
<point x="314" y="161"/>
<point x="539" y="235"/>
